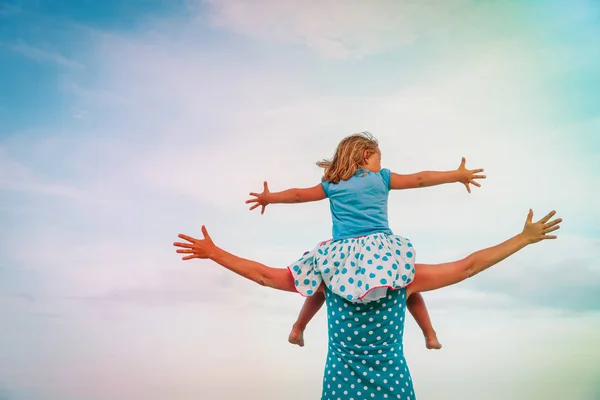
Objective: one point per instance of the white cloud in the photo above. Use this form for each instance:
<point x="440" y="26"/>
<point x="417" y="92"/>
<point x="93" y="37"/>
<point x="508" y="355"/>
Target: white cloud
<point x="561" y="276"/>
<point x="349" y="29"/>
<point x="44" y="55"/>
<point x="17" y="176"/>
<point x="456" y="114"/>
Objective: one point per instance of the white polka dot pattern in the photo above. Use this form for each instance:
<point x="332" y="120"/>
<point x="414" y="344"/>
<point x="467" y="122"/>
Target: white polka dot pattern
<point x="365" y="358"/>
<point x="359" y="269"/>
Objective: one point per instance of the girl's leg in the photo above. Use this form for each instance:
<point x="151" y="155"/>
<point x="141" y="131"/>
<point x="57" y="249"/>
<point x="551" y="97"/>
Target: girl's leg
<point x="311" y="306"/>
<point x="418" y="309"/>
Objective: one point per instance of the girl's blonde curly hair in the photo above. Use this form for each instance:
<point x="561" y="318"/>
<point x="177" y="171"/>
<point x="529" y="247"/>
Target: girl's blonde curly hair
<point x="349" y="157"/>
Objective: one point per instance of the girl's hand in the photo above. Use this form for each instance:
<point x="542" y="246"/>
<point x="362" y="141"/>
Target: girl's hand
<point x="468" y="176"/>
<point x="199" y="248"/>
<point x="260" y="199"/>
<point x="534" y="232"/>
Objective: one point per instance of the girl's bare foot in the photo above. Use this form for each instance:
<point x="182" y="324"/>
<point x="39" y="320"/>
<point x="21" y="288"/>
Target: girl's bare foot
<point x="432" y="343"/>
<point x="296" y="336"/>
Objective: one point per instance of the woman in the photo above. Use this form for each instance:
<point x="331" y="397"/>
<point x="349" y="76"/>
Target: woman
<point x="365" y="357"/>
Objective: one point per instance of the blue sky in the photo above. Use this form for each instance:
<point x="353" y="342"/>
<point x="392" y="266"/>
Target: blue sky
<point x="121" y="126"/>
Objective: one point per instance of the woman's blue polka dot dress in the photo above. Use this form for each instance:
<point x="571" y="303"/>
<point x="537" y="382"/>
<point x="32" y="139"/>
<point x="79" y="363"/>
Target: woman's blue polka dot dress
<point x="365" y="359"/>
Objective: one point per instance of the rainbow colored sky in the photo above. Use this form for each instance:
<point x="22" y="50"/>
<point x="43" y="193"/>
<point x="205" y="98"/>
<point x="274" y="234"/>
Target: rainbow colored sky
<point x="125" y="123"/>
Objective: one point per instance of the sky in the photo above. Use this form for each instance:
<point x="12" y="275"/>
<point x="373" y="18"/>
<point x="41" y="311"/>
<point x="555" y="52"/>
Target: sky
<point x="122" y="125"/>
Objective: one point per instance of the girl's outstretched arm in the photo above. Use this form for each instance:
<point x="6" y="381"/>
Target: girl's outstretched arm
<point x="265" y="198"/>
<point x="431" y="277"/>
<point x="433" y="178"/>
<point x="276" y="278"/>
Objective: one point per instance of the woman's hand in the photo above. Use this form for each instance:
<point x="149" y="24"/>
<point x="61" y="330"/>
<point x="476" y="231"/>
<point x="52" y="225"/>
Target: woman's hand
<point x="261" y="199"/>
<point x="197" y="248"/>
<point x="468" y="176"/>
<point x="534" y="232"/>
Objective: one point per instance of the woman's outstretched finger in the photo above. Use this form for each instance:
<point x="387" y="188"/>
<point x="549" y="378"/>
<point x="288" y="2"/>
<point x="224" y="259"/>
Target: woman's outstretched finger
<point x="478" y="176"/>
<point x="188" y="257"/>
<point x="554" y="228"/>
<point x="186" y="237"/>
<point x="254" y="206"/>
<point x="251" y="201"/>
<point x="550" y="237"/>
<point x="547" y="217"/>
<point x="186" y="245"/>
<point x="552" y="223"/>
<point x="475" y="183"/>
<point x="182" y="251"/>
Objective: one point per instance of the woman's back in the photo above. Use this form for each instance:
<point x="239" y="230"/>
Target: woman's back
<point x="365" y="358"/>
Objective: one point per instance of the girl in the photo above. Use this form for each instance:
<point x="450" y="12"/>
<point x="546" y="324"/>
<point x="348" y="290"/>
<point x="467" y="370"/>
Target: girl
<point x="364" y="258"/>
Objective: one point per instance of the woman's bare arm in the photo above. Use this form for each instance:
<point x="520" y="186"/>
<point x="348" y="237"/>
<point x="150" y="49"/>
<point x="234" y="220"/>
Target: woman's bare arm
<point x="276" y="278"/>
<point x="435" y="276"/>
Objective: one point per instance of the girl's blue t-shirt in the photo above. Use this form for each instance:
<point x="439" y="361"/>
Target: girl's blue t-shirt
<point x="359" y="205"/>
